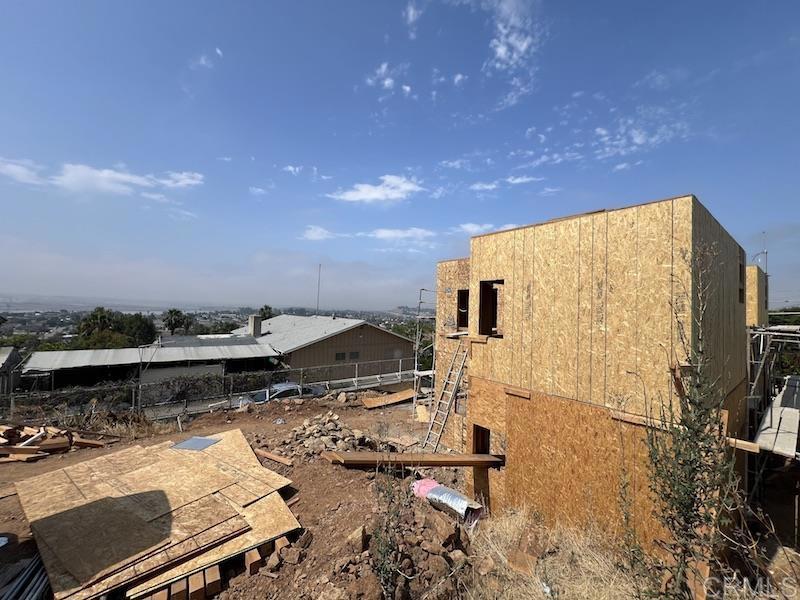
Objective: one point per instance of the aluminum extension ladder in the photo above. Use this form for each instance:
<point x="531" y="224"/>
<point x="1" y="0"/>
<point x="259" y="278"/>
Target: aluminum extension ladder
<point x="446" y="397"/>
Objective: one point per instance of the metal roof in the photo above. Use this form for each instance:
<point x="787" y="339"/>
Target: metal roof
<point x="6" y="353"/>
<point x="287" y="333"/>
<point x="74" y="359"/>
<point x="212" y="339"/>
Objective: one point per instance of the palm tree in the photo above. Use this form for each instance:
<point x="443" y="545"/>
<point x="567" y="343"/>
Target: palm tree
<point x="188" y="321"/>
<point x="173" y="319"/>
<point x="100" y="319"/>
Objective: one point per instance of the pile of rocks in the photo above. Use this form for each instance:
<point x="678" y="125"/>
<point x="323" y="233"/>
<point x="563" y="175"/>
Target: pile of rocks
<point x="432" y="551"/>
<point x="320" y="433"/>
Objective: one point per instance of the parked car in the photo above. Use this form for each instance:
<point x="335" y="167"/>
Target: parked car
<point x="280" y="391"/>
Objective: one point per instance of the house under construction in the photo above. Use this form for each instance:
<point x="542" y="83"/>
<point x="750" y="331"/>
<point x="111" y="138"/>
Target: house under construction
<point x="556" y="341"/>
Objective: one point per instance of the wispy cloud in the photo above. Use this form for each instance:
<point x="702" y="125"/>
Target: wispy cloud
<point x="180" y="214"/>
<point x="316" y="233"/>
<point x="80" y="178"/>
<point x="484" y="186"/>
<point x="458" y="163"/>
<point x="550" y="191"/>
<point x="293" y="169"/>
<point x="472" y="228"/>
<point x="218" y="51"/>
<point x="411" y="14"/>
<point x="662" y="80"/>
<point x="21" y="171"/>
<point x="459" y="79"/>
<point x="412" y="233"/>
<point x="257" y="191"/>
<point x="522" y="179"/>
<point x="647" y="128"/>
<point x="201" y="62"/>
<point x="385" y="76"/>
<point x="225" y="158"/>
<point x="391" y="189"/>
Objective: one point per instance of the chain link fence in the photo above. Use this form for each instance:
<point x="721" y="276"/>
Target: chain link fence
<point x="194" y="394"/>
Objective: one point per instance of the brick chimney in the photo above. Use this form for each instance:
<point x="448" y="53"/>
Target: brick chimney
<point x="254" y="325"/>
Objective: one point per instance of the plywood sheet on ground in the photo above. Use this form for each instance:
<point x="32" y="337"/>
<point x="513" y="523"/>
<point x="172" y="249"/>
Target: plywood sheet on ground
<point x="141" y="510"/>
<point x="395" y="398"/>
<point x="269" y="518"/>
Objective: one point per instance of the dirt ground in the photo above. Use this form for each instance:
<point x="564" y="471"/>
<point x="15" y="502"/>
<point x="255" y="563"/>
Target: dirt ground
<point x="331" y="500"/>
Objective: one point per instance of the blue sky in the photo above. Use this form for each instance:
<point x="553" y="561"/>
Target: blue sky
<point x="217" y="152"/>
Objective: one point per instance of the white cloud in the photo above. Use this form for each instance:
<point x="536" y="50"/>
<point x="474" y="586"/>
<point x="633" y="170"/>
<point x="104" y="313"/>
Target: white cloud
<point x="218" y="51"/>
<point x="459" y="78"/>
<point x="550" y="191"/>
<point x="181" y="179"/>
<point x="155" y="196"/>
<point x="472" y="228"/>
<point x="21" y="171"/>
<point x="482" y="186"/>
<point x="83" y="178"/>
<point x="202" y="62"/>
<point x="459" y="163"/>
<point x="508" y="226"/>
<point x="406" y="90"/>
<point x="225" y="158"/>
<point x="293" y="169"/>
<point x="392" y="188"/>
<point x="412" y="233"/>
<point x="663" y="80"/>
<point x="647" y="128"/>
<point x="385" y="77"/>
<point x="317" y="233"/>
<point x="411" y="14"/>
<point x="523" y="179"/>
<point x="179" y="214"/>
<point x="257" y="191"/>
<point x="578" y="94"/>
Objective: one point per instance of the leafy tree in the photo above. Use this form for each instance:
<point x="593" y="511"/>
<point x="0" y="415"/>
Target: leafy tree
<point x="140" y="329"/>
<point x="266" y="312"/>
<point x="173" y="319"/>
<point x="100" y="319"/>
<point x="223" y="327"/>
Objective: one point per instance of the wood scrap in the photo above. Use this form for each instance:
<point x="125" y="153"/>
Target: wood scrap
<point x="273" y="457"/>
<point x="396" y="398"/>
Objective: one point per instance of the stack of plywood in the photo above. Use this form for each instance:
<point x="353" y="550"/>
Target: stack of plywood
<point x="145" y="517"/>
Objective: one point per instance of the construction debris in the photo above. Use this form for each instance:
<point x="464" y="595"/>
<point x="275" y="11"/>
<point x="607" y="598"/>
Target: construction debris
<point x="26" y="579"/>
<point x="320" y="433"/>
<point x="411" y="459"/>
<point x="396" y="398"/>
<point x="26" y="444"/>
<point x="447" y="499"/>
<point x="153" y="517"/>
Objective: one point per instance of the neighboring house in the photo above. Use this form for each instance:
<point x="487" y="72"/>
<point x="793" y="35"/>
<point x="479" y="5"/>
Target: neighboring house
<point x="9" y="360"/>
<point x="62" y="368"/>
<point x="318" y="341"/>
<point x="573" y="328"/>
<point x="757" y="297"/>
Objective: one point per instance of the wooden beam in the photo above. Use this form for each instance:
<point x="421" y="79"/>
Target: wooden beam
<point x="273" y="457"/>
<point x="197" y="586"/>
<point x="19" y="449"/>
<point x="751" y="447"/>
<point x="179" y="590"/>
<point x="161" y="594"/>
<point x="396" y="398"/>
<point x="252" y="561"/>
<point x="412" y="459"/>
<point x="82" y="442"/>
<point x="213" y="581"/>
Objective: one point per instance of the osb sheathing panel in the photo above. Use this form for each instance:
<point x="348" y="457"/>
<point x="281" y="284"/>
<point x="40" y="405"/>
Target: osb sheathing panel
<point x="451" y="276"/>
<point x="586" y="308"/>
<point x="724" y="321"/>
<point x="756" y="308"/>
<point x="565" y="461"/>
<point x="487" y="408"/>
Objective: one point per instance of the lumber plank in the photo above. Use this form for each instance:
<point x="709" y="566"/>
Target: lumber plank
<point x="396" y="398"/>
<point x="19" y="449"/>
<point x="179" y="590"/>
<point x="252" y="561"/>
<point x="82" y="442"/>
<point x="213" y="581"/>
<point x="161" y="594"/>
<point x="197" y="586"/>
<point x="420" y="459"/>
<point x="273" y="457"/>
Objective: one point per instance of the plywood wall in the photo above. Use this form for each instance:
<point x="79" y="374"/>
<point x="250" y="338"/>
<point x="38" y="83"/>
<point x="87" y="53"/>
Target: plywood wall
<point x="756" y="301"/>
<point x="451" y="276"/>
<point x="587" y="304"/>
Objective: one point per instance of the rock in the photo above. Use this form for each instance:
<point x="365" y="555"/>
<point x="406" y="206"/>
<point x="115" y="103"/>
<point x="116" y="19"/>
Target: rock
<point x="431" y="547"/>
<point x="342" y="397"/>
<point x="292" y="556"/>
<point x="442" y="529"/>
<point x="304" y="541"/>
<point x="436" y="566"/>
<point x="280" y="421"/>
<point x="485" y="566"/>
<point x="357" y="540"/>
<point x="366" y="587"/>
<point x="458" y="558"/>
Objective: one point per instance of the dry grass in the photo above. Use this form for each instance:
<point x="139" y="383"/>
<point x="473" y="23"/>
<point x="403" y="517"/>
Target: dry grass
<point x="573" y="565"/>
